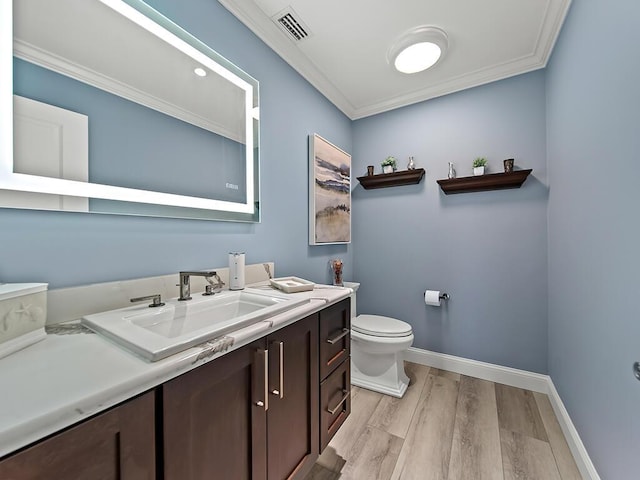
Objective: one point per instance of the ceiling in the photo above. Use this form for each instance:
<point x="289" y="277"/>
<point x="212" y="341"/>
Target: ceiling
<point x="344" y="54"/>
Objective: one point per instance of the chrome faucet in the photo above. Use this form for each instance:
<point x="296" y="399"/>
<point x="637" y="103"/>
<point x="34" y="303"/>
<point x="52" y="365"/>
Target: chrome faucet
<point x="185" y="283"/>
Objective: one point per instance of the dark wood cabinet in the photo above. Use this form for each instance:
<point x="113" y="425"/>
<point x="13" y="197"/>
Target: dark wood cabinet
<point x="335" y="339"/>
<point x="335" y="369"/>
<point x="292" y="417"/>
<point x="251" y="414"/>
<point x="261" y="412"/>
<point x="212" y="427"/>
<point x="335" y="402"/>
<point x="116" y="445"/>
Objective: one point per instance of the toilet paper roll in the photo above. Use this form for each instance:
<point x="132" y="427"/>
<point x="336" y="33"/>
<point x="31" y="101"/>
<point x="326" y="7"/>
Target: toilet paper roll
<point x="432" y="297"/>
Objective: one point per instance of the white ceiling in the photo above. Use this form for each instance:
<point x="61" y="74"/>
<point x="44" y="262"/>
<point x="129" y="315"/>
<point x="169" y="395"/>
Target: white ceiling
<point x="345" y="54"/>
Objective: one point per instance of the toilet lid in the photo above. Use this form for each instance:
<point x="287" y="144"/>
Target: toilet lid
<point x="379" y="326"/>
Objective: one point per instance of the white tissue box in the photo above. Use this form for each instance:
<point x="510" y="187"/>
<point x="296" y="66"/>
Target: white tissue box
<point x="23" y="313"/>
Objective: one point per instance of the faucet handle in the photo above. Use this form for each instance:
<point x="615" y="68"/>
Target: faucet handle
<point x="208" y="289"/>
<point x="156" y="298"/>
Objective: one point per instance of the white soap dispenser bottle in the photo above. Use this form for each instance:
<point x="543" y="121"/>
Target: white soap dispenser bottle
<point x="236" y="271"/>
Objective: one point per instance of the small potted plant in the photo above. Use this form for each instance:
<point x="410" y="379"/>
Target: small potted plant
<point x="479" y="164"/>
<point x="389" y="165"/>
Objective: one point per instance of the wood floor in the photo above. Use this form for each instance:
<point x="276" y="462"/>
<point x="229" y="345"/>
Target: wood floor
<point x="448" y="426"/>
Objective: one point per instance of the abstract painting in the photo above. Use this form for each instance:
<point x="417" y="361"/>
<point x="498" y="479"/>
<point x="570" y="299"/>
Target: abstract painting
<point x="329" y="193"/>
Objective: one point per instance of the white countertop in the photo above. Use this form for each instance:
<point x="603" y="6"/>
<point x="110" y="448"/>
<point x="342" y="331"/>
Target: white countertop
<point x="74" y="374"/>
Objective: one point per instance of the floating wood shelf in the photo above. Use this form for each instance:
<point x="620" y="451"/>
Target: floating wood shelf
<point x="383" y="180"/>
<point x="492" y="181"/>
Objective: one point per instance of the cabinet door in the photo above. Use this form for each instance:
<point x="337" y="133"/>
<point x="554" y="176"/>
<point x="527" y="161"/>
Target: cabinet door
<point x="116" y="445"/>
<point x="335" y="343"/>
<point x="292" y="418"/>
<point x="213" y="427"/>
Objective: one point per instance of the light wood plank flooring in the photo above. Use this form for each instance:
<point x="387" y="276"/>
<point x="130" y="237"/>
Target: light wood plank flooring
<point x="448" y="427"/>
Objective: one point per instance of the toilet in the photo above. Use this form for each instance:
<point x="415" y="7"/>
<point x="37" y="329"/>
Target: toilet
<point x="378" y="345"/>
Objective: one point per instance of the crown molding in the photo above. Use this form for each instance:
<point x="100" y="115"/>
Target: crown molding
<point x="260" y="24"/>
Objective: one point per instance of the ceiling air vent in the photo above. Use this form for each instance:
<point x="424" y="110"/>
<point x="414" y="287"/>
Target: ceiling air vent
<point x="290" y="23"/>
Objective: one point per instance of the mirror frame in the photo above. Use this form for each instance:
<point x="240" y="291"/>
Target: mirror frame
<point x="181" y="206"/>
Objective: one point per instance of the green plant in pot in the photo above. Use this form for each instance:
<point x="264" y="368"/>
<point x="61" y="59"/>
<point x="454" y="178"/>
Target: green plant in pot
<point x="389" y="164"/>
<point x="479" y="165"/>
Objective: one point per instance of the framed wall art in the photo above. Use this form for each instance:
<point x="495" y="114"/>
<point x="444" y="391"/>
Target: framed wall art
<point x="329" y="193"/>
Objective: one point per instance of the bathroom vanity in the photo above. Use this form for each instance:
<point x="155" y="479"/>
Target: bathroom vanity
<point x="262" y="410"/>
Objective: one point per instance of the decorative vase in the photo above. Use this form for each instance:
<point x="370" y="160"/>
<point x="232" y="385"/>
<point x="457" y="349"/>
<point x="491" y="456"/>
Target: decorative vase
<point x="452" y="171"/>
<point x="387" y="169"/>
<point x="336" y="268"/>
<point x="478" y="171"/>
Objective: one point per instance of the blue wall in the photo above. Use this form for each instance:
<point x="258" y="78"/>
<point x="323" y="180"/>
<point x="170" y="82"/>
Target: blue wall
<point x="67" y="249"/>
<point x="511" y="298"/>
<point x="487" y="249"/>
<point x="593" y="100"/>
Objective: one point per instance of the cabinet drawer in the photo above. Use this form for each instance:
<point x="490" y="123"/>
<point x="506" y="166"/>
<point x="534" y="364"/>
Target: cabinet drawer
<point x="335" y="402"/>
<point x="335" y="340"/>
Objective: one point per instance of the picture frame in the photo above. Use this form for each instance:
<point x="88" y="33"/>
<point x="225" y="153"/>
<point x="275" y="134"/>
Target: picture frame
<point x="329" y="193"/>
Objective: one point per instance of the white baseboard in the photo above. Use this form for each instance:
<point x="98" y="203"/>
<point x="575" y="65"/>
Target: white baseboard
<point x="580" y="454"/>
<point x="486" y="371"/>
<point x="515" y="378"/>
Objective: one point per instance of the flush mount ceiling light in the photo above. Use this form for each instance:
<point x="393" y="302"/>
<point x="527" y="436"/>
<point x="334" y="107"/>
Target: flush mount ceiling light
<point x="418" y="49"/>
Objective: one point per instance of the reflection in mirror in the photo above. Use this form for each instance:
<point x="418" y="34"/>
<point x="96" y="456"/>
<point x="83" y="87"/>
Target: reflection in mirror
<point x="111" y="116"/>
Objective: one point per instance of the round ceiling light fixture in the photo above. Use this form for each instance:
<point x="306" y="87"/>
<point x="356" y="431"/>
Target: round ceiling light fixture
<point x="418" y="49"/>
<point x="199" y="71"/>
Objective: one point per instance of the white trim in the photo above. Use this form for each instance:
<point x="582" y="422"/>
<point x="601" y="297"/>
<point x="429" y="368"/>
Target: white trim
<point x="486" y="371"/>
<point x="515" y="378"/>
<point x="6" y="80"/>
<point x="580" y="454"/>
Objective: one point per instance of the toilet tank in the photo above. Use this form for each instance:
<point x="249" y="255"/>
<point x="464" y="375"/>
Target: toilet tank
<point x="354" y="288"/>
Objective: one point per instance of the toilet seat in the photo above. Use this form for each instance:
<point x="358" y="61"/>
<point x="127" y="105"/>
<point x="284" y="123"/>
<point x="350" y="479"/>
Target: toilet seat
<point x="379" y="326"/>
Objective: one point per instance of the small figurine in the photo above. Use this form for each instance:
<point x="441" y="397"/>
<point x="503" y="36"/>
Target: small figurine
<point x="411" y="165"/>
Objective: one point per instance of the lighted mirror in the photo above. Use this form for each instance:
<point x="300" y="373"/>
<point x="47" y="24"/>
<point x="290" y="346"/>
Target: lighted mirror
<point x="115" y="109"/>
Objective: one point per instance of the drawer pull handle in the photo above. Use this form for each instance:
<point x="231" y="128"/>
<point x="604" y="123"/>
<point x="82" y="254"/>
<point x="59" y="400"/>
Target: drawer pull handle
<point x="280" y="390"/>
<point x="261" y="363"/>
<point x="344" y="333"/>
<point x="347" y="393"/>
<point x="266" y="380"/>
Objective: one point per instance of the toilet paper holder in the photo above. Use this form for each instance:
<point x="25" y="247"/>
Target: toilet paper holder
<point x="444" y="296"/>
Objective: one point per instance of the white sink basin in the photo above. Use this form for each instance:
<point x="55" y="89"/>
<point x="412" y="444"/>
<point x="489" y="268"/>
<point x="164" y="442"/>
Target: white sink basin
<point x="158" y="332"/>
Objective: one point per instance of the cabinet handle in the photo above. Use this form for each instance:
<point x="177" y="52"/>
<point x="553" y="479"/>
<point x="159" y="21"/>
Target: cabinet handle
<point x="342" y="334"/>
<point x="344" y="399"/>
<point x="280" y="392"/>
<point x="265" y="377"/>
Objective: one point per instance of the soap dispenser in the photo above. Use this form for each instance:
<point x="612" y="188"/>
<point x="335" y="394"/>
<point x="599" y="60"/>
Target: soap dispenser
<point x="236" y="271"/>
